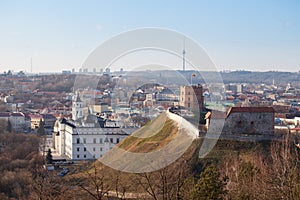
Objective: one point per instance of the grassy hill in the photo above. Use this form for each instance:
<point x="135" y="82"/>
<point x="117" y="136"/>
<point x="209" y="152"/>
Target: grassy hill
<point x="247" y="165"/>
<point x="153" y="136"/>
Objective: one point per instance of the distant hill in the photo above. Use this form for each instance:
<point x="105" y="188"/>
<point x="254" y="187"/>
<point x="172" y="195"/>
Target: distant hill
<point x="184" y="77"/>
<point x="260" y="77"/>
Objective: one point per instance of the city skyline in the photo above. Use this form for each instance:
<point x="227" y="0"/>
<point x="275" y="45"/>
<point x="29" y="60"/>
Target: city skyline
<point x="244" y="35"/>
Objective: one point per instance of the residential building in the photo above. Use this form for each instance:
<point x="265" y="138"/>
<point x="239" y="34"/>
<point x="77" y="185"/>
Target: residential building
<point x="17" y="120"/>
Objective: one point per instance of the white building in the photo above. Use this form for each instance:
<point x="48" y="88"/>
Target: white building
<point x="77" y="108"/>
<point x="87" y="137"/>
<point x="17" y="120"/>
<point x="86" y="142"/>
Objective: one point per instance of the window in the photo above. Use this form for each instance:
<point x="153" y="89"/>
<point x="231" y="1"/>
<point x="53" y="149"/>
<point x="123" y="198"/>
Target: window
<point x="101" y="140"/>
<point x="118" y="140"/>
<point x="94" y="140"/>
<point x="100" y="148"/>
<point x="84" y="149"/>
<point x="78" y="140"/>
<point x="84" y="156"/>
<point x="252" y="122"/>
<point x="189" y="105"/>
<point x="77" y="156"/>
<point x="94" y="156"/>
<point x="84" y="140"/>
<point x="78" y="149"/>
<point x="94" y="149"/>
<point x="111" y="140"/>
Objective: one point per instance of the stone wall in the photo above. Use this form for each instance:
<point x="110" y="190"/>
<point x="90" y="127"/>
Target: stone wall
<point x="249" y="123"/>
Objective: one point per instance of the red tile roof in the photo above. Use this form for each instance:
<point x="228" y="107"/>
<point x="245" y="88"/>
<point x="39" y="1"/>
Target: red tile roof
<point x="215" y="114"/>
<point x="250" y="109"/>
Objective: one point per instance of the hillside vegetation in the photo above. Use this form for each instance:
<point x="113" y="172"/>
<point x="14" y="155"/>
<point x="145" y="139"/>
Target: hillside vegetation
<point x="232" y="170"/>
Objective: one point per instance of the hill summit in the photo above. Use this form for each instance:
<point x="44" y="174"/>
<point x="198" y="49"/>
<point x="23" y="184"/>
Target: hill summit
<point x="154" y="146"/>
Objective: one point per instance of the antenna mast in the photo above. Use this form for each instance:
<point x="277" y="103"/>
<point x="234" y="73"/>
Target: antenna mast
<point x="183" y="56"/>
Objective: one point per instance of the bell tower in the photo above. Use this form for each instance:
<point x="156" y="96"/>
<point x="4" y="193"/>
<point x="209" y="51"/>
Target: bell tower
<point x="77" y="107"/>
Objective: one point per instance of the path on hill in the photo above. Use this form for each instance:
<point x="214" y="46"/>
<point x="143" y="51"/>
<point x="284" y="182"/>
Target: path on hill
<point x="189" y="128"/>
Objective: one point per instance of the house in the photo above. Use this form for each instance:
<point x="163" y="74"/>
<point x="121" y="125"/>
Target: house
<point x="17" y="120"/>
<point x="35" y="120"/>
<point x="49" y="120"/>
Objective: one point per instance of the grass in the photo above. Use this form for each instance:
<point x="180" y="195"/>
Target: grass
<point x="153" y="136"/>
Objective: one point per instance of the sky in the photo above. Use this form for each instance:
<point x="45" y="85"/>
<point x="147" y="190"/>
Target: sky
<point x="256" y="35"/>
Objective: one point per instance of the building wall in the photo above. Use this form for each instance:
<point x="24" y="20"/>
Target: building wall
<point x="100" y="108"/>
<point x="18" y="122"/>
<point x="85" y="143"/>
<point x="249" y="123"/>
<point x="35" y="121"/>
<point x="191" y="97"/>
<point x="77" y="110"/>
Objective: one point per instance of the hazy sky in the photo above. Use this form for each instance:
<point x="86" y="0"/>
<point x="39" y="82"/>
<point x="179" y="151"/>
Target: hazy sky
<point x="237" y="34"/>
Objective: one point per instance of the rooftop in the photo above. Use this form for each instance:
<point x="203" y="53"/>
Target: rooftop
<point x="251" y="109"/>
